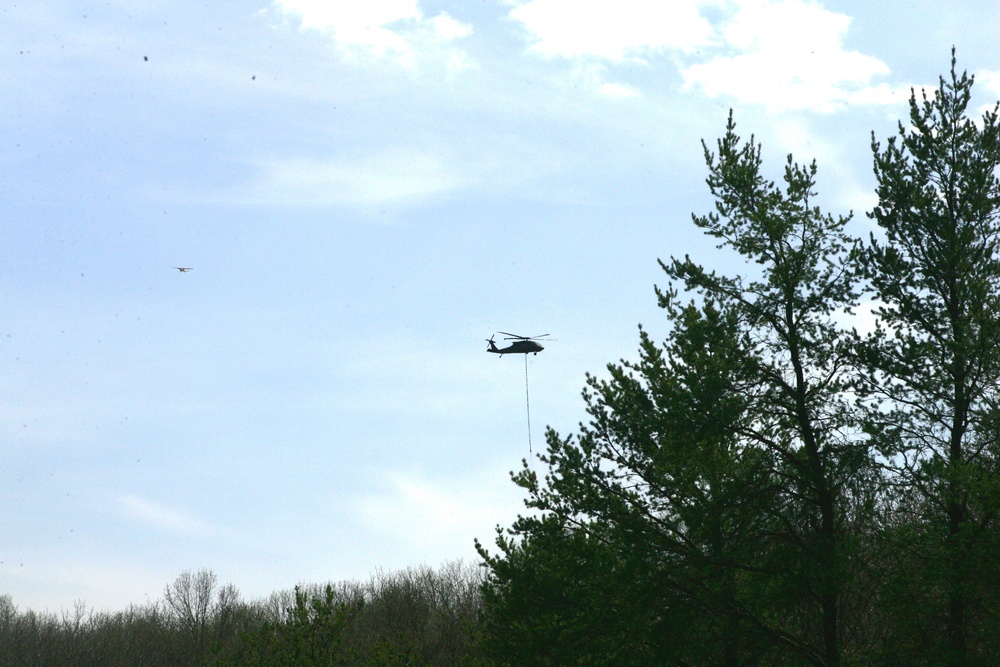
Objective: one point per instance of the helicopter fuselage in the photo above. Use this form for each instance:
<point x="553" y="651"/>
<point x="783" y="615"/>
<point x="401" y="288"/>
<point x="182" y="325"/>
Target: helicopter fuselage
<point x="517" y="347"/>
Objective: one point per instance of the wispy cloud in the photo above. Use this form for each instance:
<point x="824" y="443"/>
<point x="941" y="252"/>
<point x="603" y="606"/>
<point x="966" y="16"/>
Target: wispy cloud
<point x="593" y="77"/>
<point x="392" y="177"/>
<point x="160" y="516"/>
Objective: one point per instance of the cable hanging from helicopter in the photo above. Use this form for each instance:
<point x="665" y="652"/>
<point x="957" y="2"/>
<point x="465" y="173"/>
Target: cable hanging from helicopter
<point x="522" y="345"/>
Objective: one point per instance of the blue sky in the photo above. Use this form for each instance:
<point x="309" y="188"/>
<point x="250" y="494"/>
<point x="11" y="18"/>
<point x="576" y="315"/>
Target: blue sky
<point x="365" y="192"/>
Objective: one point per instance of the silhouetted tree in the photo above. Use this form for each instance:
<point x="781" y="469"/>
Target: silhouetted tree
<point x="933" y="367"/>
<point x="723" y="468"/>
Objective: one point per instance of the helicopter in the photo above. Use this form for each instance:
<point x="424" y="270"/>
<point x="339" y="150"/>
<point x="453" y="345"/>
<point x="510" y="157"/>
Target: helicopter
<point x="521" y="344"/>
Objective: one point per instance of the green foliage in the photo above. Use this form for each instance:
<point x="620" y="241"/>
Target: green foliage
<point x="310" y="635"/>
<point x="933" y="368"/>
<point x="765" y="486"/>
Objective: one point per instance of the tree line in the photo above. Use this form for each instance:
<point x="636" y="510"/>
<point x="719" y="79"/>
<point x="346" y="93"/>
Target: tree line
<point x="418" y="616"/>
<point x="768" y="485"/>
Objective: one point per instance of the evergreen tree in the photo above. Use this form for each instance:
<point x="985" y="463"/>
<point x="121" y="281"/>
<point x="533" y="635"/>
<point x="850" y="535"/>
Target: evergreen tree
<point x="933" y="366"/>
<point x="723" y="468"/>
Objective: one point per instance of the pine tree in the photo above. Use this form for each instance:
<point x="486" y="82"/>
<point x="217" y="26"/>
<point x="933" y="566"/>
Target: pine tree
<point x="933" y="366"/>
<point x="723" y="467"/>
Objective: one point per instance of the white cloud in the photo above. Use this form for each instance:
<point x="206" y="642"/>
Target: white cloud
<point x="790" y="55"/>
<point x="987" y="82"/>
<point x="990" y="80"/>
<point x="616" y="31"/>
<point x="393" y="30"/>
<point x="594" y="32"/>
<point x="782" y="54"/>
<point x="438" y="520"/>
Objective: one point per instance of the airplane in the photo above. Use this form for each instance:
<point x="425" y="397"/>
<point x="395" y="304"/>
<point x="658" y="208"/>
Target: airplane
<point x="182" y="269"/>
<point x="521" y="344"/>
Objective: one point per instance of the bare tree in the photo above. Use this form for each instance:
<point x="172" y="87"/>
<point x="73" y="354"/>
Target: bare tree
<point x="198" y="605"/>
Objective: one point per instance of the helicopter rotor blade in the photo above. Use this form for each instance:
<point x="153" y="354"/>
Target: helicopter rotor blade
<point x="525" y="337"/>
<point x="510" y="336"/>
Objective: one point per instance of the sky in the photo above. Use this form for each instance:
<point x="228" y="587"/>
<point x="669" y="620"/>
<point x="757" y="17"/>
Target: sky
<point x="365" y="192"/>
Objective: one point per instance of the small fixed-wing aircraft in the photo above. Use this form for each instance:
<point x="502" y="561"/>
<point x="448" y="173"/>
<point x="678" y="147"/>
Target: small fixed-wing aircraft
<point x="183" y="269"/>
<point x="521" y="344"/>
